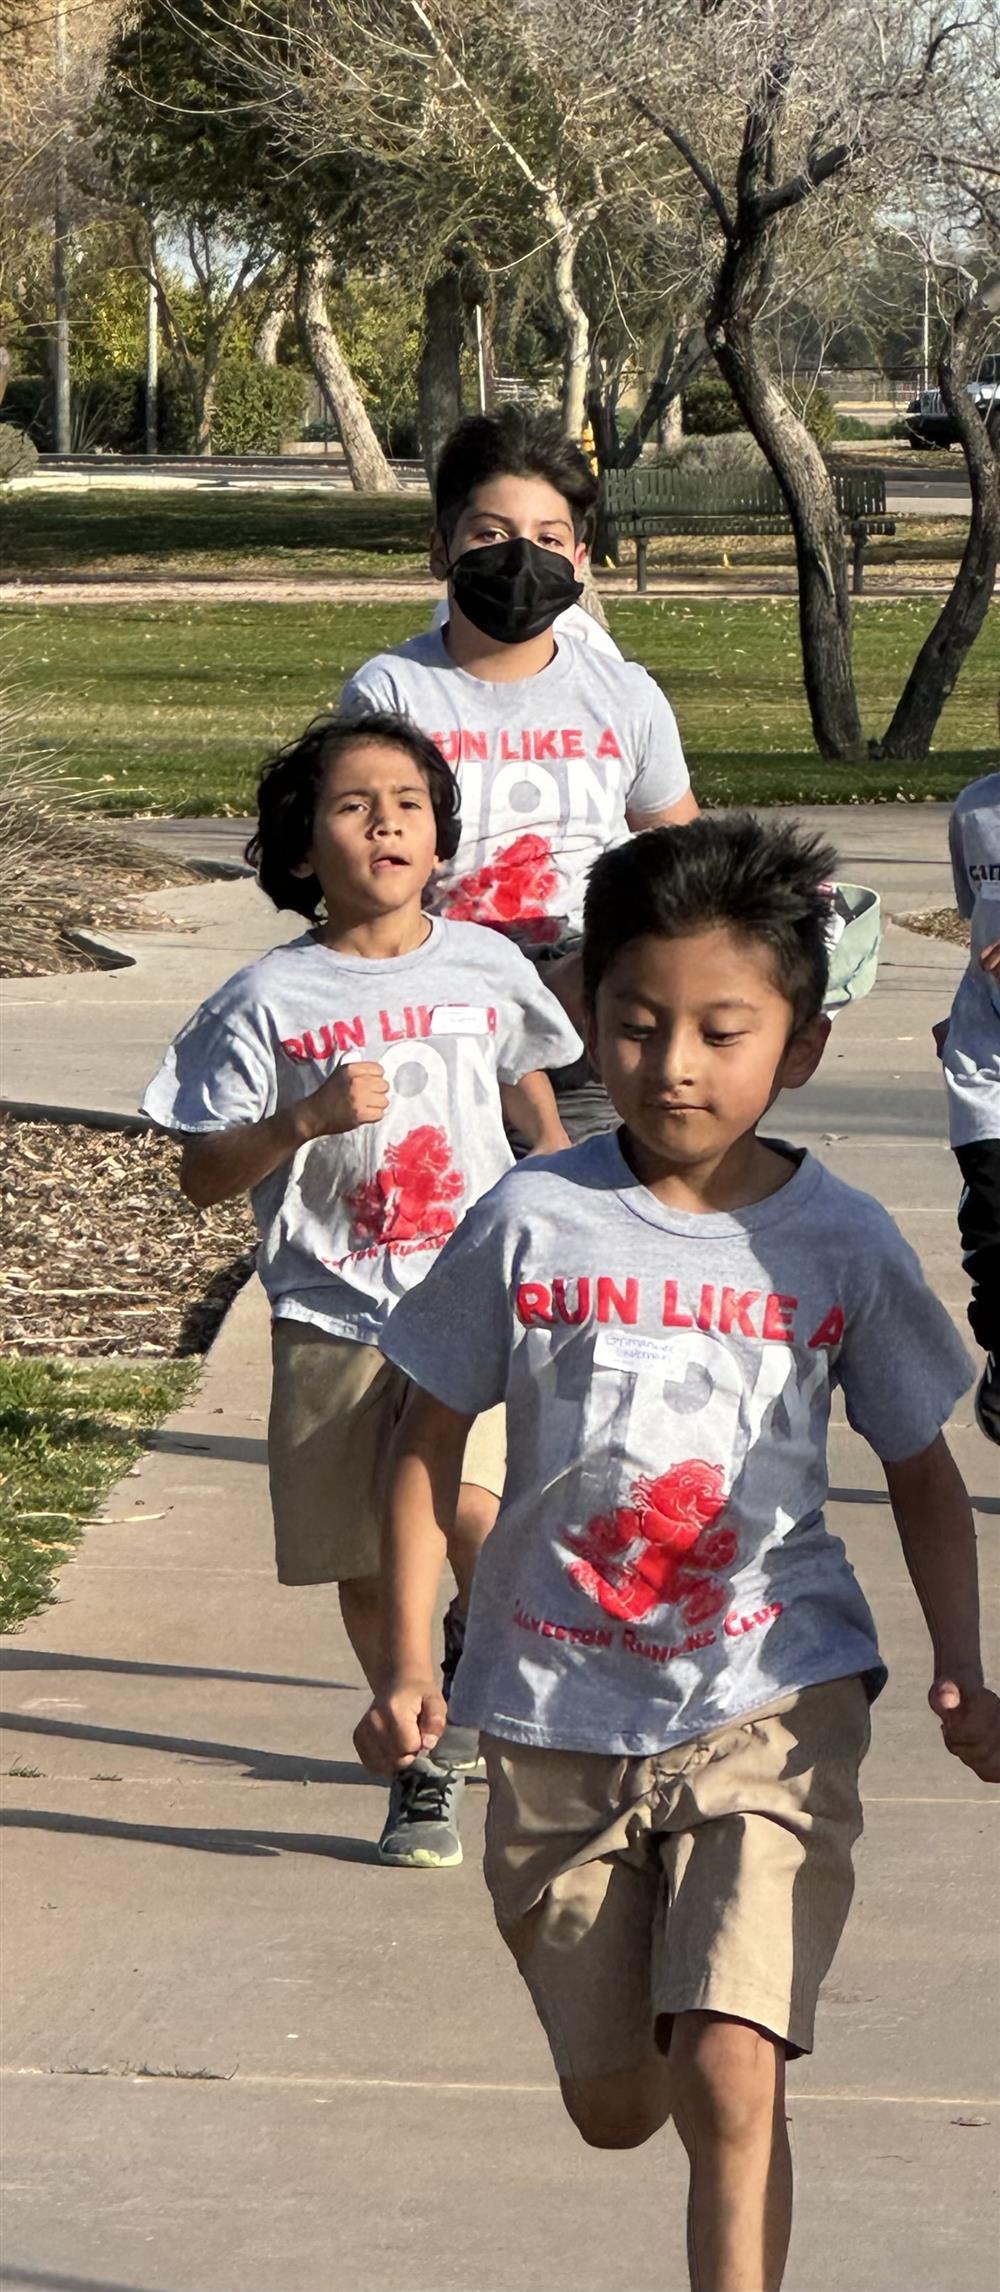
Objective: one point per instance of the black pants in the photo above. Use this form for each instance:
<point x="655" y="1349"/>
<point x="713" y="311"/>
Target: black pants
<point x="979" y="1226"/>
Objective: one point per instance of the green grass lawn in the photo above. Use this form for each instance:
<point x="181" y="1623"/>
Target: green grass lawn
<point x="170" y="708"/>
<point x="378" y="536"/>
<point x="361" y="536"/>
<point x="67" y="1432"/>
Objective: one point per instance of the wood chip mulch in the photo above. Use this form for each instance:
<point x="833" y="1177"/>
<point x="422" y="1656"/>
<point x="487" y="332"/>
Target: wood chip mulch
<point x="937" y="923"/>
<point x="99" y="1251"/>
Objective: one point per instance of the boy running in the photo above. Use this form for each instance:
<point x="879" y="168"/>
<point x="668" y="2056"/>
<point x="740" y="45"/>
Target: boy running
<point x="354" y="1082"/>
<point x="560" y="748"/>
<point x="668" y="1652"/>
<point x="971" y="1055"/>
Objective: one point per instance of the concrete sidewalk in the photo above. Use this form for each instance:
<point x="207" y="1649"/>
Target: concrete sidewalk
<point x="243" y="2058"/>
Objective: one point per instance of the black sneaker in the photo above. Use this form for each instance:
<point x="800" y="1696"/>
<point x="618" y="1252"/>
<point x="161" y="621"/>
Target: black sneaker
<point x="421" y="1827"/>
<point x="987" y="1403"/>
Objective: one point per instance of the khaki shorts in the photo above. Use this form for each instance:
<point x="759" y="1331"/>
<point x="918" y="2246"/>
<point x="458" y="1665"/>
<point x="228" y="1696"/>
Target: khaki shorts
<point x="715" y="1877"/>
<point x="334" y="1408"/>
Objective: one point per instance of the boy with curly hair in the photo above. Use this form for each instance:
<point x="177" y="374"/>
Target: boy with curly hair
<point x="355" y="1083"/>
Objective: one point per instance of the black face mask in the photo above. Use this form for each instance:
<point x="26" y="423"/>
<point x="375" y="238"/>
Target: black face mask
<point x="513" y="590"/>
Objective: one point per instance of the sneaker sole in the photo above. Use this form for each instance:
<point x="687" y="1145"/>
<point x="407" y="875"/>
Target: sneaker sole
<point x="420" y="1858"/>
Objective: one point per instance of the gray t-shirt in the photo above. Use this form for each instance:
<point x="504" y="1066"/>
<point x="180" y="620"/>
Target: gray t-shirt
<point x="972" y="1049"/>
<point x="353" y="1221"/>
<point x="661" y="1562"/>
<point x="548" y="766"/>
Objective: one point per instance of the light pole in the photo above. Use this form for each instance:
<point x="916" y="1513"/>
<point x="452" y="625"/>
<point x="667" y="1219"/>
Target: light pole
<point x="925" y="363"/>
<point x="60" y="248"/>
<point x="152" y="348"/>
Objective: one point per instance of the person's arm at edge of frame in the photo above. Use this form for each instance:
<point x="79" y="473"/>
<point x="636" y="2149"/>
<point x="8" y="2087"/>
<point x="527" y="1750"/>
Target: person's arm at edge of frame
<point x="217" y="1165"/>
<point x="408" y="1713"/>
<point x="933" y="1516"/>
<point x="670" y="816"/>
<point x="530" y="1108"/>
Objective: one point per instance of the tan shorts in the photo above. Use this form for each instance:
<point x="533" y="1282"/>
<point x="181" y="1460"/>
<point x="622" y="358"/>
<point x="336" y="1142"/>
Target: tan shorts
<point x="715" y="1877"/>
<point x="334" y="1408"/>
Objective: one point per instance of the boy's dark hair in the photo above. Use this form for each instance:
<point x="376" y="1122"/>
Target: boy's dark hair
<point x="512" y="443"/>
<point x="289" y="785"/>
<point x="768" y="885"/>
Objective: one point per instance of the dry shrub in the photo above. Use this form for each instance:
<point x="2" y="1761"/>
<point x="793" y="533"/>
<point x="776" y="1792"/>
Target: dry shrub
<point x="62" y="867"/>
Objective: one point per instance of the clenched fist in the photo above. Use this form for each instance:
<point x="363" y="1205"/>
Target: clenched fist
<point x="970" y="1724"/>
<point x="352" y="1095"/>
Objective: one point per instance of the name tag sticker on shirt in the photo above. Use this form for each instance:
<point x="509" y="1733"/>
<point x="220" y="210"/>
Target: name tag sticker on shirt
<point x="460" y="1019"/>
<point x="625" y="1349"/>
<point x="988" y="890"/>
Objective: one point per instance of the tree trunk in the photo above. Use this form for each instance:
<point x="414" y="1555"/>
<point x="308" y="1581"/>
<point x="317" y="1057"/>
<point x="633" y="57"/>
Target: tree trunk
<point x="439" y="370"/>
<point x="204" y="413"/>
<point x="576" y="353"/>
<point x="670" y="425"/>
<point x="277" y="311"/>
<point x="798" y="465"/>
<point x="367" y="466"/>
<point x="934" y="672"/>
<point x="679" y="361"/>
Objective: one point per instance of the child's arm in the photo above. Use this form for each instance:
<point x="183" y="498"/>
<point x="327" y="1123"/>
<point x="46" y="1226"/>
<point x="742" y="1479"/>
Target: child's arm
<point x="936" y="1530"/>
<point x="218" y="1164"/>
<point x="408" y="1713"/>
<point x="530" y="1108"/>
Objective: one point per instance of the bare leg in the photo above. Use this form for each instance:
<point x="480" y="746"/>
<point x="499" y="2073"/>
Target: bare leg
<point x="474" y="1517"/>
<point x="361" y="1608"/>
<point x="727" y="2082"/>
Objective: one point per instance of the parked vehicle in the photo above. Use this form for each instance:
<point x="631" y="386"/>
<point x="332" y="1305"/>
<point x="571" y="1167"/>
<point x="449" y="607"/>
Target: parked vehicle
<point x="928" y="422"/>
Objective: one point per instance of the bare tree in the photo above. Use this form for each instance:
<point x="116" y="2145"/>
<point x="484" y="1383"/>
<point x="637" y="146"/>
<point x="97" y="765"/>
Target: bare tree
<point x="457" y="100"/>
<point x="807" y="103"/>
<point x="958" y="155"/>
<point x="52" y="61"/>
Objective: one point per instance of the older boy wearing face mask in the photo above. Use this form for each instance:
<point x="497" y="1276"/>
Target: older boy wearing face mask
<point x="561" y="750"/>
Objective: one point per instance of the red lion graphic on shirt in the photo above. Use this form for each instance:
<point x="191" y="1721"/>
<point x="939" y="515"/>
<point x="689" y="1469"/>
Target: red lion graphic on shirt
<point x="406" y="1199"/>
<point x="662" y="1547"/>
<point x="513" y="887"/>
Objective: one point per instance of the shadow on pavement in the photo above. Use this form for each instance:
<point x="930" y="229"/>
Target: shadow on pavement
<point x="37" y="1659"/>
<point x="41" y="2280"/>
<point x="227" y="1446"/>
<point x="261" y="1766"/>
<point x="881" y="1496"/>
<point x="208" y="1841"/>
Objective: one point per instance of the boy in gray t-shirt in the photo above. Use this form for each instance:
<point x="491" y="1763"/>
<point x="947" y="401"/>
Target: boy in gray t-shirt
<point x="668" y="1654"/>
<point x="971" y="1056"/>
<point x="561" y="749"/>
<point x="354" y="1083"/>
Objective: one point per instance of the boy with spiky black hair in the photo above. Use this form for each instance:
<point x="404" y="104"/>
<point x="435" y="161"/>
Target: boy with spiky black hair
<point x="668" y="1653"/>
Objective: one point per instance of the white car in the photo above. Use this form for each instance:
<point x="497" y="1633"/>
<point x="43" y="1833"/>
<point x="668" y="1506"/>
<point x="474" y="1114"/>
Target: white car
<point x="928" y="421"/>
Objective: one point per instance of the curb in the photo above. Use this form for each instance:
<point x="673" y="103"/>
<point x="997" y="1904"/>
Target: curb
<point x="88" y="1117"/>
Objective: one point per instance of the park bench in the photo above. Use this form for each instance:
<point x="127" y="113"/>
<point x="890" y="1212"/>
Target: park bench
<point x="640" y="502"/>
